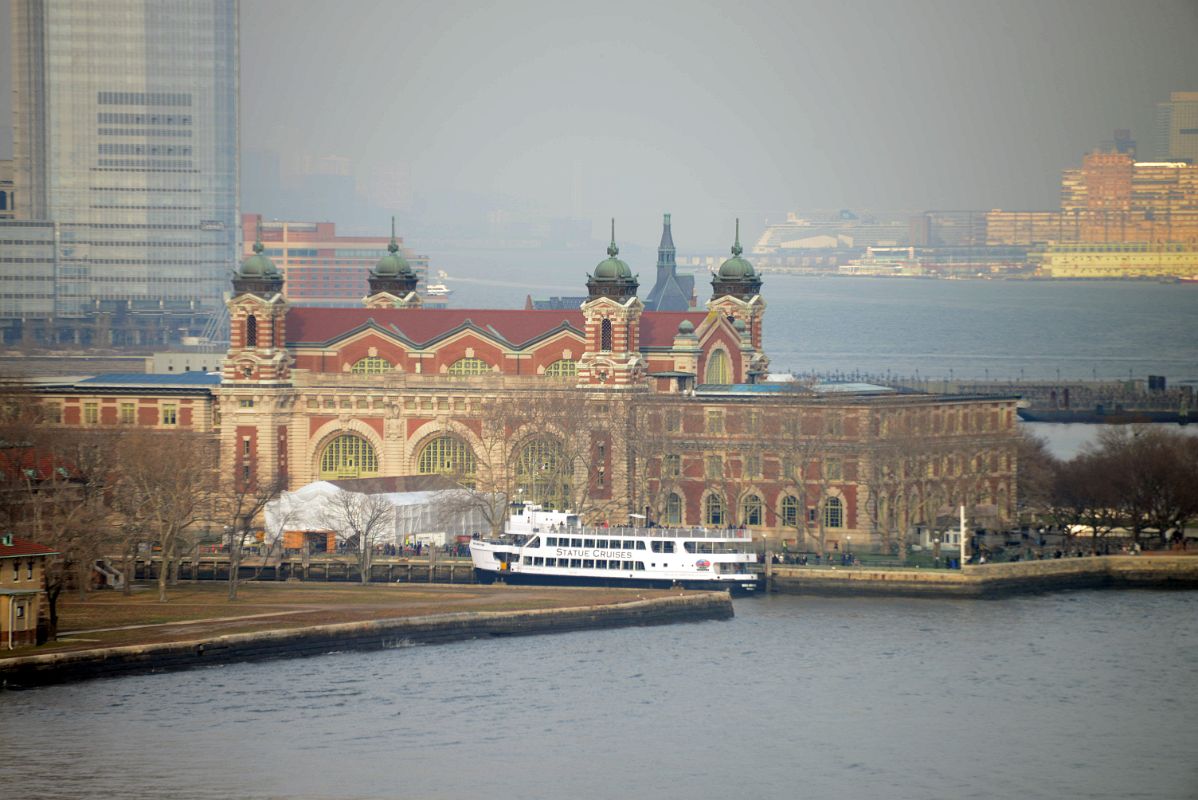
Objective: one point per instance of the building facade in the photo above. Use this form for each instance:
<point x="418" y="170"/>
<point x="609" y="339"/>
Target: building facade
<point x="1177" y="128"/>
<point x="21" y="565"/>
<point x="609" y="409"/>
<point x="125" y="145"/>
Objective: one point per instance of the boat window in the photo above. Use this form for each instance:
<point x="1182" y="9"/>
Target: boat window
<point x="627" y="565"/>
<point x="600" y="564"/>
<point x="669" y="547"/>
<point x="576" y="542"/>
<point x="528" y="561"/>
<point x="551" y="562"/>
<point x="538" y="561"/>
<point x="640" y="545"/>
<point x="588" y="543"/>
<point x="534" y="542"/>
<point x="689" y="547"/>
<point x="640" y="566"/>
<point x="656" y="547"/>
<point x="571" y="521"/>
<point x="613" y="564"/>
<point x="551" y="541"/>
<point x="576" y="562"/>
<point x="628" y="544"/>
<point x="602" y="543"/>
<point x="588" y="563"/>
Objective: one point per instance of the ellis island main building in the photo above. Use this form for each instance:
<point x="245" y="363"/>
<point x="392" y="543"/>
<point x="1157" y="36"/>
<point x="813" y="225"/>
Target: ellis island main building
<point x="614" y="409"/>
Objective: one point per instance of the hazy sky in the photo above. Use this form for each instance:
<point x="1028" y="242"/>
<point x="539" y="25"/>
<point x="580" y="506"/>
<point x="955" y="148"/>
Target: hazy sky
<point x="628" y="109"/>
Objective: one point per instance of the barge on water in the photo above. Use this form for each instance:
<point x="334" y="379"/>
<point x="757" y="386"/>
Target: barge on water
<point x="551" y="547"/>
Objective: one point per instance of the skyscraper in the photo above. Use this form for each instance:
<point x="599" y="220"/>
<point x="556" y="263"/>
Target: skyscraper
<point x="125" y="142"/>
<point x="1177" y="128"/>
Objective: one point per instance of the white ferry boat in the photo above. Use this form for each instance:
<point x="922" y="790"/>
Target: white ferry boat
<point x="551" y="547"/>
<point x="438" y="290"/>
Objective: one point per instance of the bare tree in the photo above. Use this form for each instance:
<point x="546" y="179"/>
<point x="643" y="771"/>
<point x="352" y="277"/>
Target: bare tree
<point x="358" y="520"/>
<point x="172" y="476"/>
<point x="241" y="502"/>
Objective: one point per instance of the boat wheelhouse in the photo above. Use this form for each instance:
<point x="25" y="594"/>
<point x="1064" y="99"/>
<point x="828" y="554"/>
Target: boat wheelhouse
<point x="551" y="547"/>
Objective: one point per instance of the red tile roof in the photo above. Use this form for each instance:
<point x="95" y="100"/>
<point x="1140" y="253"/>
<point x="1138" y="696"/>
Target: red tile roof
<point x="314" y="325"/>
<point x="310" y="325"/>
<point x="24" y="547"/>
<point x="658" y="328"/>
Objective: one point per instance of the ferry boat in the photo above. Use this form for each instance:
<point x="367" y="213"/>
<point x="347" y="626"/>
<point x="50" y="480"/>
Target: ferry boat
<point x="438" y="290"/>
<point x="540" y="546"/>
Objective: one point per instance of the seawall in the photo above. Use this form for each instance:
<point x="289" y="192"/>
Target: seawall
<point x="49" y="668"/>
<point x="994" y="580"/>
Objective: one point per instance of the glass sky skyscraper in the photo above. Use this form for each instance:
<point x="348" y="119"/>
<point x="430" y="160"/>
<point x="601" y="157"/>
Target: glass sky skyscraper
<point x="125" y="142"/>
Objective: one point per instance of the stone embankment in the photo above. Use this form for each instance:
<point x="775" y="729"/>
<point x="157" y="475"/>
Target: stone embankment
<point x="993" y="580"/>
<point x="47" y="668"/>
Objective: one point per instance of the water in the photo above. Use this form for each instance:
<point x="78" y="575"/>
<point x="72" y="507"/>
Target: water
<point x="1002" y="330"/>
<point x="1080" y="695"/>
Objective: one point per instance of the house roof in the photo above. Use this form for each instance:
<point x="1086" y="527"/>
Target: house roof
<point x="24" y="547"/>
<point x="422" y="326"/>
<point x="307" y="325"/>
<point x="173" y="380"/>
<point x="20" y="462"/>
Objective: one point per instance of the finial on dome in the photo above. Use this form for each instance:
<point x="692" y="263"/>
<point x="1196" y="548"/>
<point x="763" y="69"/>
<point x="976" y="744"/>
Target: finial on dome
<point x="736" y="248"/>
<point x="612" y="250"/>
<point x="258" y="248"/>
<point x="393" y="247"/>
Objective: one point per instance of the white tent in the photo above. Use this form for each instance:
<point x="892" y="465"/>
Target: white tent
<point x="415" y="513"/>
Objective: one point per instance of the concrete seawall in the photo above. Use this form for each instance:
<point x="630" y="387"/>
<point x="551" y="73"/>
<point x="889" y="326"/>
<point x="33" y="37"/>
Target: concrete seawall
<point x="993" y="580"/>
<point x="48" y="668"/>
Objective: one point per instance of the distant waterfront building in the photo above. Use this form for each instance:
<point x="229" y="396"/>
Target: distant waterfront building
<point x="8" y="195"/>
<point x="321" y="267"/>
<point x="1177" y="128"/>
<point x="125" y="159"/>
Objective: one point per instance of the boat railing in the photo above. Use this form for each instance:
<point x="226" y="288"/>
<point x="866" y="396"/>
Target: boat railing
<point x="620" y="531"/>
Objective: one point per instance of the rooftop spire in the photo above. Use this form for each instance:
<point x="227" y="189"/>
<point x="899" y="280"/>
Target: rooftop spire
<point x="736" y="248"/>
<point x="258" y="248"/>
<point x="393" y="247"/>
<point x="612" y="250"/>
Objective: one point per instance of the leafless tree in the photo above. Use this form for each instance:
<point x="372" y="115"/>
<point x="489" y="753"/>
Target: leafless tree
<point x="238" y="506"/>
<point x="358" y="520"/>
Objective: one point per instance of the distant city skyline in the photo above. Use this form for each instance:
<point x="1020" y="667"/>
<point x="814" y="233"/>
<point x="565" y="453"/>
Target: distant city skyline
<point x="445" y="114"/>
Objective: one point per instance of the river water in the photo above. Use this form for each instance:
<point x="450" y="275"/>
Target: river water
<point x="1076" y="695"/>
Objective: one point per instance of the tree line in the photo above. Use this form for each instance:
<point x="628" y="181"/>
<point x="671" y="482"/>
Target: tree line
<point x="1139" y="479"/>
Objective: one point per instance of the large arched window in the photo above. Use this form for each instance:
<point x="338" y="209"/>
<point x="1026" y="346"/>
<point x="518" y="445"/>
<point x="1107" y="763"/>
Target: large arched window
<point x="447" y="455"/>
<point x="469" y="366"/>
<point x="605" y="336"/>
<point x="371" y="365"/>
<point x="790" y="511"/>
<point x="833" y="513"/>
<point x="348" y="456"/>
<point x="713" y="511"/>
<point x="673" y="509"/>
<point x="719" y="368"/>
<point x="750" y="510"/>
<point x="543" y="474"/>
<point x="251" y="331"/>
<point x="562" y="368"/>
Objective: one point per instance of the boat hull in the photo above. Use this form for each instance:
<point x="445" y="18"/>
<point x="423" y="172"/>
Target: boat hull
<point x="736" y="587"/>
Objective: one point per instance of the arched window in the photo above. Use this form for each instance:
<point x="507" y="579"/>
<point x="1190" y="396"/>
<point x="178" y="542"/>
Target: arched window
<point x="750" y="510"/>
<point x="348" y="456"/>
<point x="790" y="511"/>
<point x="719" y="369"/>
<point x="673" y="509"/>
<point x="447" y="455"/>
<point x="562" y="368"/>
<point x="371" y="365"/>
<point x="833" y="513"/>
<point x="605" y="336"/>
<point x="543" y="474"/>
<point x="469" y="366"/>
<point x="251" y="331"/>
<point x="713" y="510"/>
